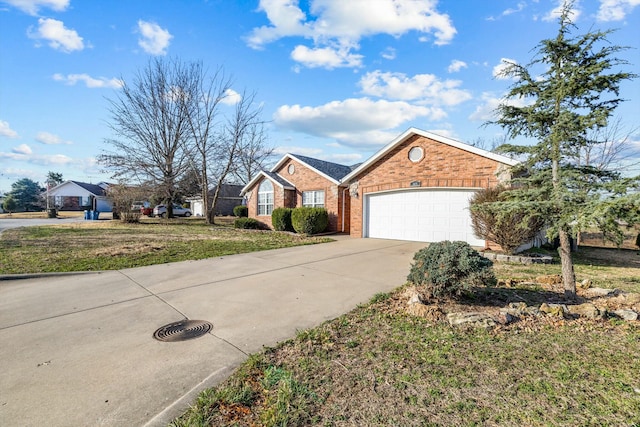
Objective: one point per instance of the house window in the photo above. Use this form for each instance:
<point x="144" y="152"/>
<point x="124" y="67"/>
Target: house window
<point x="416" y="154"/>
<point x="265" y="198"/>
<point x="313" y="199"/>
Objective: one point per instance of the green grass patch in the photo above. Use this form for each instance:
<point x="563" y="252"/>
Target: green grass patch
<point x="111" y="245"/>
<point x="406" y="371"/>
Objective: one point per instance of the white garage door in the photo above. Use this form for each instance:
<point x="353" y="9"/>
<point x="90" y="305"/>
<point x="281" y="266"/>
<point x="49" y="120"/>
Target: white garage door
<point x="420" y="215"/>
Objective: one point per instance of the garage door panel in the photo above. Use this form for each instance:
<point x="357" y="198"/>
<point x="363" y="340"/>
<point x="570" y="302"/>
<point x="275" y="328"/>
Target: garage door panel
<point x="420" y="215"/>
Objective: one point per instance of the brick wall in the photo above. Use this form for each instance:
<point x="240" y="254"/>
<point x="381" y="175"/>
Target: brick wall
<point x="304" y="179"/>
<point x="441" y="166"/>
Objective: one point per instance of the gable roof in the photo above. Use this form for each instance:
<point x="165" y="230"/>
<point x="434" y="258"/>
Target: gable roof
<point x="94" y="189"/>
<point x="439" y="138"/>
<point x="91" y="188"/>
<point x="334" y="172"/>
<point x="280" y="181"/>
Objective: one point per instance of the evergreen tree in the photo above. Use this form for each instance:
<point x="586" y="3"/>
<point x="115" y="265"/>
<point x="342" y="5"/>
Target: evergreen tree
<point x="575" y="94"/>
<point x="26" y="194"/>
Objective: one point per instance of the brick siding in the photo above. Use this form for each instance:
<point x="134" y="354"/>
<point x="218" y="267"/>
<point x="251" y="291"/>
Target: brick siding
<point x="441" y="166"/>
<point x="304" y="179"/>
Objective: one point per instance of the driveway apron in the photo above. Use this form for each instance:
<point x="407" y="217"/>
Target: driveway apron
<point x="79" y="349"/>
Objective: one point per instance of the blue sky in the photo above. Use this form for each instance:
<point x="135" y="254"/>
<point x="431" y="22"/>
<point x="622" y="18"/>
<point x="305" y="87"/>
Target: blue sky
<point x="336" y="79"/>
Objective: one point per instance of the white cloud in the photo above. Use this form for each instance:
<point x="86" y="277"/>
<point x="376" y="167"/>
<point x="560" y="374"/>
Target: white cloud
<point x="41" y="160"/>
<point x="33" y="6"/>
<point x="554" y="13"/>
<point x="498" y="70"/>
<point x="155" y="39"/>
<point x="336" y="26"/>
<point x="422" y="87"/>
<point x="231" y="97"/>
<point x="58" y="37"/>
<point x="616" y="10"/>
<point x="22" y="149"/>
<point x="486" y="111"/>
<point x="5" y="130"/>
<point x="389" y="53"/>
<point x="50" y="139"/>
<point x="326" y="57"/>
<point x="355" y="121"/>
<point x="90" y="82"/>
<point x="510" y="11"/>
<point x="456" y="65"/>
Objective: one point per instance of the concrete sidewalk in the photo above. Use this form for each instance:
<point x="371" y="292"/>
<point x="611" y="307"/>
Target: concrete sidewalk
<point x="78" y="350"/>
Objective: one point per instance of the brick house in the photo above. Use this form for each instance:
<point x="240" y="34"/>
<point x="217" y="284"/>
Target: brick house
<point x="415" y="188"/>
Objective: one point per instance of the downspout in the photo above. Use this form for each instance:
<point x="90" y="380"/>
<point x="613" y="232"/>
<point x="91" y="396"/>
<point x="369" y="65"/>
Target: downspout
<point x="343" y="206"/>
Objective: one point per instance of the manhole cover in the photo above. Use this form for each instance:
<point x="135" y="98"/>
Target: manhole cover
<point x="182" y="330"/>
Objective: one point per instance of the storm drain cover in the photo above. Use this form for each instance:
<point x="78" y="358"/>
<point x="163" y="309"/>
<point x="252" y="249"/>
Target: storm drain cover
<point x="182" y="330"/>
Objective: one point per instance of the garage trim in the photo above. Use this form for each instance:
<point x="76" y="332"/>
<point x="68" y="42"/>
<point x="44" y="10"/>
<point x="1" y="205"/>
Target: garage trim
<point x="458" y="225"/>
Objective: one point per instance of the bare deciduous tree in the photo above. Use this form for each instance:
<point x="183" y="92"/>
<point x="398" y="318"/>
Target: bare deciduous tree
<point x="234" y="136"/>
<point x="203" y="110"/>
<point x="254" y="154"/>
<point x="150" y="122"/>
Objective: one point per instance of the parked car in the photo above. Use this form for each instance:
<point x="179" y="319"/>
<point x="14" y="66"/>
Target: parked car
<point x="139" y="204"/>
<point x="161" y="211"/>
<point x="146" y="210"/>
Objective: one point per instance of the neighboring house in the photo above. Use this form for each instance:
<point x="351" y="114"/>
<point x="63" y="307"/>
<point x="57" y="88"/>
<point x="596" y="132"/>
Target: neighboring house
<point x="415" y="188"/>
<point x="228" y="199"/>
<point x="76" y="195"/>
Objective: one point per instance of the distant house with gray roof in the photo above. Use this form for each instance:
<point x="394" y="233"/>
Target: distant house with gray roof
<point x="77" y="196"/>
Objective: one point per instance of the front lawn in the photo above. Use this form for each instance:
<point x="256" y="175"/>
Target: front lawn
<point x="381" y="366"/>
<point x="111" y="245"/>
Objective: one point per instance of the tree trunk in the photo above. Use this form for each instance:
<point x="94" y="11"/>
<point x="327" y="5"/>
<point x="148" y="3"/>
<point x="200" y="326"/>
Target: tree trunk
<point x="205" y="191"/>
<point x="568" y="275"/>
<point x="216" y="194"/>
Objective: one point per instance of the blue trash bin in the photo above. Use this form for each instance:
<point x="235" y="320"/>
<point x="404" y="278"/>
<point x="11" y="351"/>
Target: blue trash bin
<point x="86" y="215"/>
<point x="96" y="214"/>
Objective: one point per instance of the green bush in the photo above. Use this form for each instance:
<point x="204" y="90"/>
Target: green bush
<point x="241" y="211"/>
<point x="281" y="219"/>
<point x="450" y="269"/>
<point x="247" y="223"/>
<point x="309" y="220"/>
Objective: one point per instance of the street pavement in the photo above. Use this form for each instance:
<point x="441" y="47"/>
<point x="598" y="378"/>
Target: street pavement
<point x="7" y="223"/>
<point x="78" y="350"/>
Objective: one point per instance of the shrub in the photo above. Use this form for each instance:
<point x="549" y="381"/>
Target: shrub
<point x="281" y="219"/>
<point x="450" y="269"/>
<point x="309" y="220"/>
<point x="508" y="226"/>
<point x="128" y="217"/>
<point x="241" y="211"/>
<point x="247" y="223"/>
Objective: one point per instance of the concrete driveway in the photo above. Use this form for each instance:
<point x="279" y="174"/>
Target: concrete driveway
<point x="78" y="349"/>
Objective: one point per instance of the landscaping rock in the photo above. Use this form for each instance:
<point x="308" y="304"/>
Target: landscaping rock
<point x="586" y="310"/>
<point x="514" y="309"/>
<point x="473" y="319"/>
<point x="505" y="318"/>
<point x="585" y="284"/>
<point x="626" y="314"/>
<point x="556" y="310"/>
<point x="601" y="292"/>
